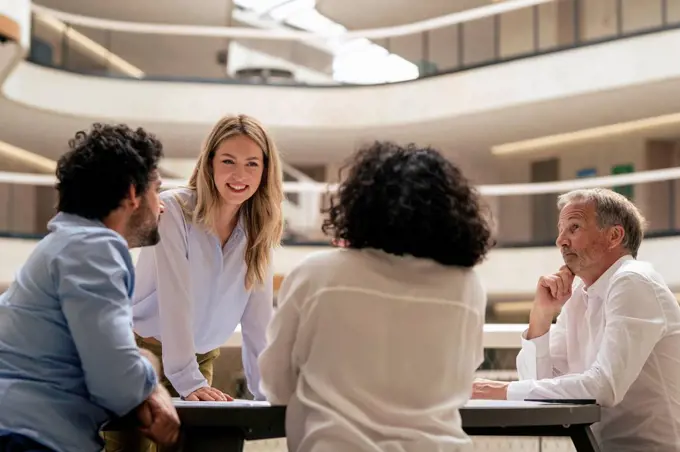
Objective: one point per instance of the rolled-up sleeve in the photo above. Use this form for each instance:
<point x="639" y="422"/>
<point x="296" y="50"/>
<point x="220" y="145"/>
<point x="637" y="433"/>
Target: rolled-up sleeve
<point x="634" y="323"/>
<point x="544" y="356"/>
<point x="95" y="278"/>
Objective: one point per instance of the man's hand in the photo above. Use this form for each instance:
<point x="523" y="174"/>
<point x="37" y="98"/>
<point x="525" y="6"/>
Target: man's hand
<point x="489" y="389"/>
<point x="552" y="292"/>
<point x="159" y="418"/>
<point x="209" y="394"/>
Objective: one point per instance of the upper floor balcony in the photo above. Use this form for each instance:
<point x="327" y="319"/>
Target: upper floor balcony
<point x="528" y="68"/>
<point x="292" y="42"/>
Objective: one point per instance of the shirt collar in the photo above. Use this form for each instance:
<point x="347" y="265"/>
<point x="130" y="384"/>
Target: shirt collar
<point x="62" y="219"/>
<point x="599" y="287"/>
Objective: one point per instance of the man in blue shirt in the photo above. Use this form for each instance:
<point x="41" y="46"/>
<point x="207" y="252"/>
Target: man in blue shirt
<point x="68" y="357"/>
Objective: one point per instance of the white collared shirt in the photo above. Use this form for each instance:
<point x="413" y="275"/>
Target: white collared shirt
<point x="374" y="352"/>
<point x="617" y="342"/>
<point x="190" y="294"/>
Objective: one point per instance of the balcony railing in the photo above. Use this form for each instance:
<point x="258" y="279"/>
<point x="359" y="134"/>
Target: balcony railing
<point x="520" y="219"/>
<point x="492" y="34"/>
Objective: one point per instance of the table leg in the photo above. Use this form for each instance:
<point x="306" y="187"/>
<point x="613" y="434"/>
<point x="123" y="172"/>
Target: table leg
<point x="583" y="439"/>
<point x="212" y="440"/>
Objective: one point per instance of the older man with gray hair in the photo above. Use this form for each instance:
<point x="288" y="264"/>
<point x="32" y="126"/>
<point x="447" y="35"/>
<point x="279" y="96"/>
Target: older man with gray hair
<point x="617" y="334"/>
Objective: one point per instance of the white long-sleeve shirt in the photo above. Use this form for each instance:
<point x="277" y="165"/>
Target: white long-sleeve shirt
<point x="617" y="342"/>
<point x="374" y="352"/>
<point x="190" y="294"/>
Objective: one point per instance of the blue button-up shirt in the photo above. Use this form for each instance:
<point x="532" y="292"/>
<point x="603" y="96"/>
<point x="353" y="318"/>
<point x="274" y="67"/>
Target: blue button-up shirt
<point x="68" y="358"/>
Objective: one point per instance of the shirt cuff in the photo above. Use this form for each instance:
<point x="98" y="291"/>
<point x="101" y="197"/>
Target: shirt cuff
<point x="187" y="380"/>
<point x="257" y="393"/>
<point x="150" y="382"/>
<point x="539" y="346"/>
<point x="151" y="377"/>
<point x="520" y="390"/>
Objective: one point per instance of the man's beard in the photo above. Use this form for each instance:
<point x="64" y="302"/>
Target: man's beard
<point x="143" y="228"/>
<point x="148" y="237"/>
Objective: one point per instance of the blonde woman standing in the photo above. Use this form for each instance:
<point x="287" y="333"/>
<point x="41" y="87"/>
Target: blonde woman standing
<point x="212" y="268"/>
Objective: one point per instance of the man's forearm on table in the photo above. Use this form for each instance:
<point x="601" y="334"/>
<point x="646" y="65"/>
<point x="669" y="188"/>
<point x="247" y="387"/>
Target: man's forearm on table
<point x="153" y="359"/>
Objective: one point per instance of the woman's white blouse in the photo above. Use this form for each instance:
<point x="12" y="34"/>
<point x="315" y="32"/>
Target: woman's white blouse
<point x="372" y="352"/>
<point x="190" y="294"/>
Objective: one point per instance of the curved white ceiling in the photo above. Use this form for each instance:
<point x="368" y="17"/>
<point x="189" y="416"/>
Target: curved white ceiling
<point x="467" y="111"/>
<point x="387" y="13"/>
<point x="198" y="12"/>
<point x="610" y="66"/>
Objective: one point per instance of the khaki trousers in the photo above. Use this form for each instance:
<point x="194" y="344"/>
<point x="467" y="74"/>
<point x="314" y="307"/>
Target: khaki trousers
<point x="135" y="441"/>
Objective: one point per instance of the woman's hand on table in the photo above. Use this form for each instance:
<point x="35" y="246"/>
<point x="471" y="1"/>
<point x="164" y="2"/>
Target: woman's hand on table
<point x="206" y="393"/>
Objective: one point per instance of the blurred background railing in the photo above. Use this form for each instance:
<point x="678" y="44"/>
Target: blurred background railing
<point x="523" y="215"/>
<point x="292" y="42"/>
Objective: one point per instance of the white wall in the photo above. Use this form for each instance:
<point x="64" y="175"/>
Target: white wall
<point x="506" y="272"/>
<point x="586" y="70"/>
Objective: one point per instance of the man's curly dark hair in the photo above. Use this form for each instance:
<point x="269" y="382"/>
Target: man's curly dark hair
<point x="409" y="201"/>
<point x="95" y="176"/>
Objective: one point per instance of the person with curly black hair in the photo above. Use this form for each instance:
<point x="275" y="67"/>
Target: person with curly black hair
<point x="374" y="345"/>
<point x="68" y="357"/>
<point x="101" y="170"/>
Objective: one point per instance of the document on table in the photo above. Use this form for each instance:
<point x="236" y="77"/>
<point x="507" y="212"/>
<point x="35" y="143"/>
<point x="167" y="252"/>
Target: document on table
<point x="480" y="403"/>
<point x="234" y="403"/>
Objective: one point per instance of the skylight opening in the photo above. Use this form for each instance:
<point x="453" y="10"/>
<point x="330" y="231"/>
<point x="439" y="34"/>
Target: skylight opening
<point x="355" y="61"/>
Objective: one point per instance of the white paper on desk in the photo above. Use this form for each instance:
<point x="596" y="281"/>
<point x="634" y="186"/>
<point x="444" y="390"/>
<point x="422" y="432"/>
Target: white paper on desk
<point x="234" y="403"/>
<point x="481" y="403"/>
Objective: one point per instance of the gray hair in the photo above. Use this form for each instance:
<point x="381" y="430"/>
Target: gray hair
<point x="612" y="209"/>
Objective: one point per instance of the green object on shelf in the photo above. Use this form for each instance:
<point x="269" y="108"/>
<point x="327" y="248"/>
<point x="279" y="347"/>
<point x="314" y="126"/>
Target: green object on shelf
<point x="626" y="190"/>
<point x="426" y="67"/>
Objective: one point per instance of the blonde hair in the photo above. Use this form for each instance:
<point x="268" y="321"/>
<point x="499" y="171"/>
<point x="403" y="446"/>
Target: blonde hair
<point x="261" y="213"/>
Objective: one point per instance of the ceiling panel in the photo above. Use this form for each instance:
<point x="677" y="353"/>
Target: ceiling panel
<point x="358" y="14"/>
<point x="194" y="12"/>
